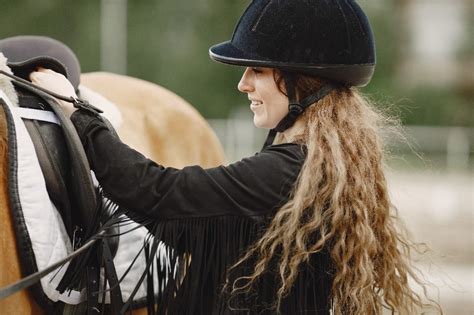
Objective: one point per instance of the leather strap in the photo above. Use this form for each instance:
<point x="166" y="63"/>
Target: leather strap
<point x="270" y="138"/>
<point x="92" y="277"/>
<point x="150" y="294"/>
<point x="295" y="108"/>
<point x="116" y="301"/>
<point x="78" y="103"/>
<point x="35" y="277"/>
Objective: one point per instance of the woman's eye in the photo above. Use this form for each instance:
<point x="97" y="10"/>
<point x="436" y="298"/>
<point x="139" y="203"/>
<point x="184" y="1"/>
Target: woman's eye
<point x="256" y="70"/>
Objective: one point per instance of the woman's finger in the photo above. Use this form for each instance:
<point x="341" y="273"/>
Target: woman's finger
<point x="38" y="77"/>
<point x="44" y="70"/>
<point x="53" y="81"/>
<point x="34" y="76"/>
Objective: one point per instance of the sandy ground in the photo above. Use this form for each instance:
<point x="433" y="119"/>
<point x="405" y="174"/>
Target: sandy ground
<point x="438" y="209"/>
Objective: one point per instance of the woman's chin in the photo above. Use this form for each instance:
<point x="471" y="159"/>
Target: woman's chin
<point x="257" y="122"/>
<point x="261" y="124"/>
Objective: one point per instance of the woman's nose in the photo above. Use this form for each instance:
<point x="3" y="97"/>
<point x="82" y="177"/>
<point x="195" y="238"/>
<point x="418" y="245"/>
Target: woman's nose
<point x="245" y="84"/>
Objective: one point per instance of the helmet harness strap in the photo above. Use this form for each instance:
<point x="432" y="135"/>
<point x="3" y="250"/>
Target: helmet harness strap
<point x="295" y="108"/>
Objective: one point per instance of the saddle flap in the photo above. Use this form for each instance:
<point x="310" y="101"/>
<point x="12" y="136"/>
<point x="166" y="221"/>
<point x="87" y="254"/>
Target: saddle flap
<point x="82" y="192"/>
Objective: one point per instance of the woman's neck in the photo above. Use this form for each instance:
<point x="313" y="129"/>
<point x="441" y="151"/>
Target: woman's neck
<point x="292" y="133"/>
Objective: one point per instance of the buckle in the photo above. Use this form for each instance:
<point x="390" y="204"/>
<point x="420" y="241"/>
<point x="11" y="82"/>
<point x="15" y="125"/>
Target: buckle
<point x="295" y="108"/>
<point x="83" y="104"/>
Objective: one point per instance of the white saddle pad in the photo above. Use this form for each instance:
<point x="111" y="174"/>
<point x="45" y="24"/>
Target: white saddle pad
<point x="47" y="232"/>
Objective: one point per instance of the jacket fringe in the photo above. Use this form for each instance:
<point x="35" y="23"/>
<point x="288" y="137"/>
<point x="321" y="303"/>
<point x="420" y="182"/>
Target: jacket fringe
<point x="193" y="265"/>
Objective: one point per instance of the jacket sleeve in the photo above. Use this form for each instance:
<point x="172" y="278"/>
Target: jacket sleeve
<point x="251" y="187"/>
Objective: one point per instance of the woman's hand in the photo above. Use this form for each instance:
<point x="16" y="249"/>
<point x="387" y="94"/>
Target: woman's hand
<point x="57" y="83"/>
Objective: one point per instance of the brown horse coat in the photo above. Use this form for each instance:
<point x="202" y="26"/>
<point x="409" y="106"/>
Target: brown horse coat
<point x="157" y="122"/>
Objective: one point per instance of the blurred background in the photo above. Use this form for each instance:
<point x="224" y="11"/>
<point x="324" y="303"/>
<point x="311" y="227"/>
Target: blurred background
<point x="424" y="76"/>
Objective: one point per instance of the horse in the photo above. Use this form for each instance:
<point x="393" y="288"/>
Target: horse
<point x="157" y="121"/>
<point x="152" y="120"/>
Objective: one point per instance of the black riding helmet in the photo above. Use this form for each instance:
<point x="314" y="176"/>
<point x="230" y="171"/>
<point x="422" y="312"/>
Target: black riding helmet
<point x="26" y="53"/>
<point x="332" y="40"/>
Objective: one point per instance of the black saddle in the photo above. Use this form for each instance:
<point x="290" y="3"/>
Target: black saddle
<point x="55" y="162"/>
<point x="65" y="168"/>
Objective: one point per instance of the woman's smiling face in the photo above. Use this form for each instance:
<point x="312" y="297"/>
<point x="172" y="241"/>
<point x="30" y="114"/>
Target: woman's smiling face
<point x="268" y="103"/>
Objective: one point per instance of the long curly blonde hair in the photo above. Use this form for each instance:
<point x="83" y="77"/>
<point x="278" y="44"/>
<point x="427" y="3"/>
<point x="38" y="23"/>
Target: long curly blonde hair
<point x="341" y="193"/>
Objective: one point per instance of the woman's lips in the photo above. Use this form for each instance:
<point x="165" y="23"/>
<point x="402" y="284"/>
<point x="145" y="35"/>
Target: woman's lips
<point x="255" y="104"/>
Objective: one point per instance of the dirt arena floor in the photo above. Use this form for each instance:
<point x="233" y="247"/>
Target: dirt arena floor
<point x="438" y="209"/>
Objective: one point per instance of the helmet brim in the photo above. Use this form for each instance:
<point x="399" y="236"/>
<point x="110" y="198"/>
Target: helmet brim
<point x="227" y="53"/>
<point x="354" y="75"/>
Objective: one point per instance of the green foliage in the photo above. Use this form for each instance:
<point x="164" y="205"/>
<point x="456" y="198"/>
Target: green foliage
<point x="169" y="42"/>
<point x="428" y="106"/>
<point x="76" y="23"/>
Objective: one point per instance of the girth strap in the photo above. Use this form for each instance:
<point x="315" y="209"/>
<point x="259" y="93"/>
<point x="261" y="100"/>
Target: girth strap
<point x="93" y="283"/>
<point x="105" y="259"/>
<point x="116" y="301"/>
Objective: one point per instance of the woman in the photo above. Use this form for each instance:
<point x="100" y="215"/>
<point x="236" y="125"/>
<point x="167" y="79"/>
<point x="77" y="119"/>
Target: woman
<point x="303" y="227"/>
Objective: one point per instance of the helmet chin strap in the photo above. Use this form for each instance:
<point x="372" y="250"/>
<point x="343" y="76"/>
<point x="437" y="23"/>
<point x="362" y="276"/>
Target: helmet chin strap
<point x="295" y="108"/>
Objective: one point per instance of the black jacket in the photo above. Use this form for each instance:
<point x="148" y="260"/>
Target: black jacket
<point x="211" y="215"/>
